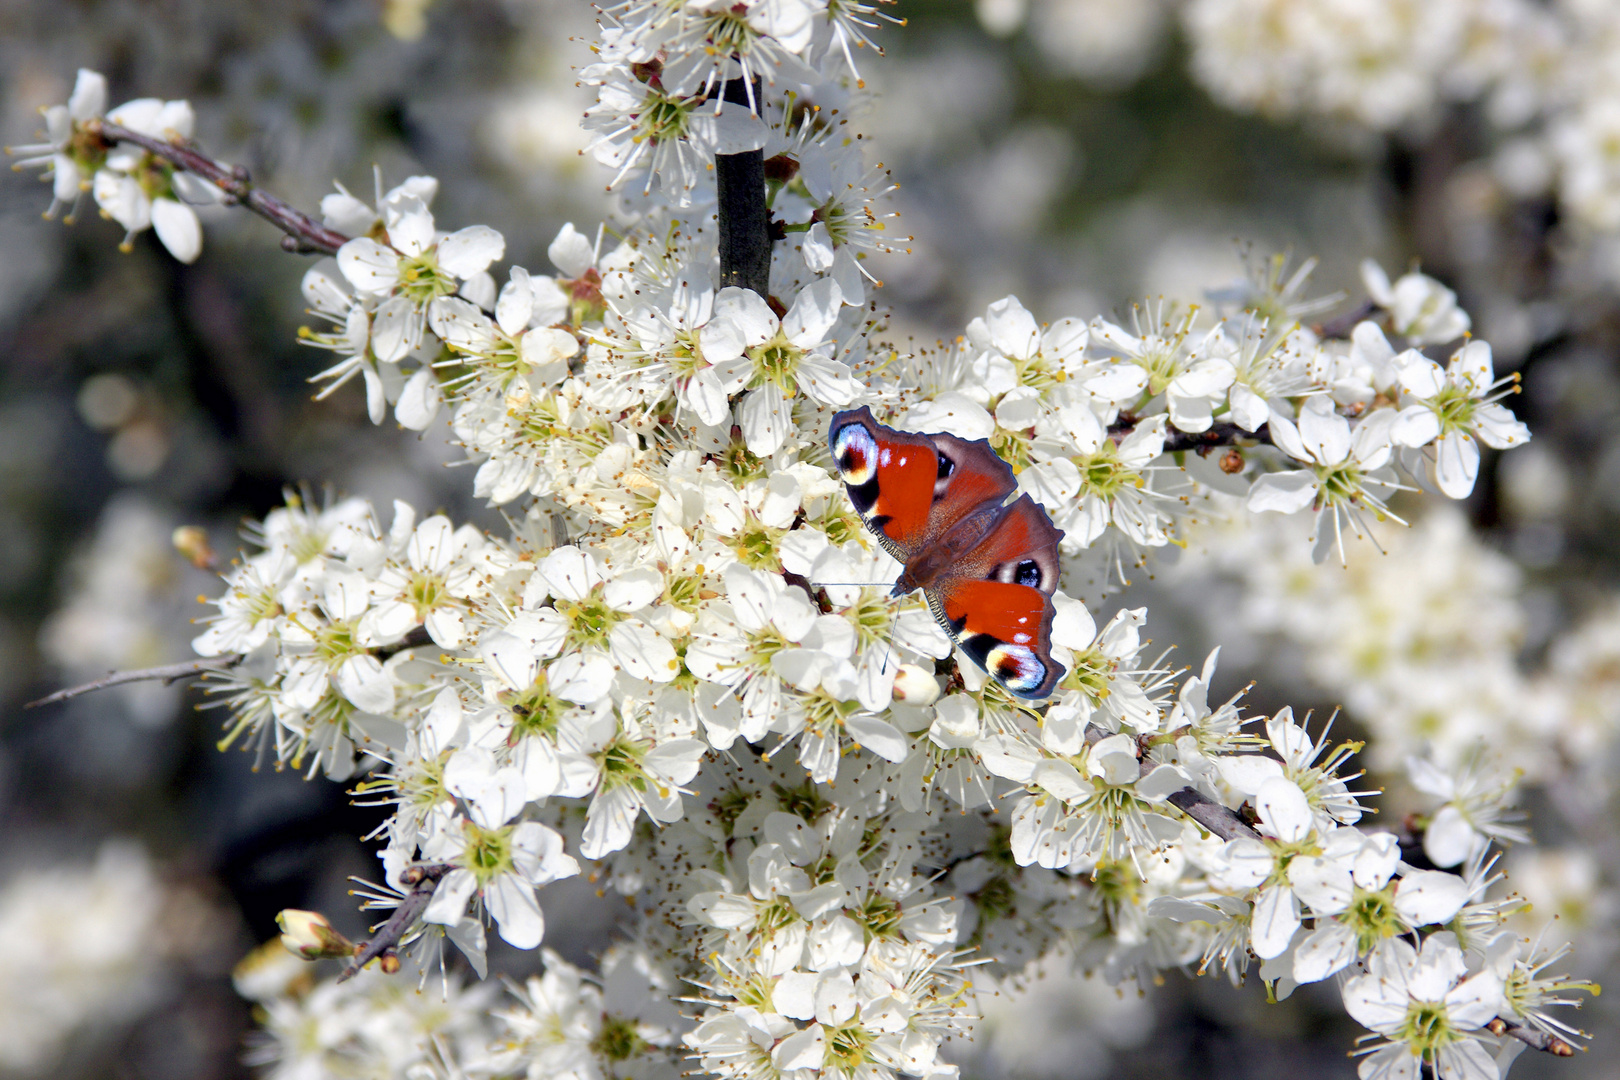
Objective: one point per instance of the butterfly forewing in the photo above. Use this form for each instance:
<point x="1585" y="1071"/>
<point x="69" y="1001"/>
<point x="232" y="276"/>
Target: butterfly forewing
<point x="890" y="476"/>
<point x="970" y="476"/>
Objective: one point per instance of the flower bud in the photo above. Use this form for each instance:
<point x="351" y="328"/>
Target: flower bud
<point x="914" y="685"/>
<point x="309" y="935"/>
<point x="192" y="542"/>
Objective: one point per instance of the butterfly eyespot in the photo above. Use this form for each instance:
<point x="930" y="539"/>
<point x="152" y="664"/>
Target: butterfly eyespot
<point x="856" y="453"/>
<point x="1028" y="573"/>
<point x="946" y="467"/>
<point x="1017" y="666"/>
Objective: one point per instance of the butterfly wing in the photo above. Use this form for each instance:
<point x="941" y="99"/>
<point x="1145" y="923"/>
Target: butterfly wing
<point x="934" y="501"/>
<point x="997" y="601"/>
<point x="910" y="488"/>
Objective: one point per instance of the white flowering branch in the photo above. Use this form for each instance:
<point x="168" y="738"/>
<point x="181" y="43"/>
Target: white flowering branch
<point x="304" y="233"/>
<point x="590" y="701"/>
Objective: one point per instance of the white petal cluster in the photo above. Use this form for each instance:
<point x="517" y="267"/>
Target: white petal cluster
<point x="1542" y="76"/>
<point x="682" y="674"/>
<point x="84" y="953"/>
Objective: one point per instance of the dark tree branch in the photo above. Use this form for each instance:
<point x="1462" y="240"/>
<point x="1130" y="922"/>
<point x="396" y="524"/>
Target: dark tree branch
<point x="1219" y="434"/>
<point x="745" y="230"/>
<point x="1223" y="821"/>
<point x="169" y="673"/>
<point x="304" y="233"/>
<point x="423" y="880"/>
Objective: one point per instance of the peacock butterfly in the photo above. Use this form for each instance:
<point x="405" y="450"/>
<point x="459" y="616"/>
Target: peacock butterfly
<point x="988" y="568"/>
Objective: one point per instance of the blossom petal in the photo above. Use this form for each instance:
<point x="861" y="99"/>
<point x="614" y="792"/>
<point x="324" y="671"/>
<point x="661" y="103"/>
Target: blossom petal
<point x="1276" y="917"/>
<point x="516" y="911"/>
<point x="469" y="251"/>
<point x="1456" y="464"/>
<point x="177" y="226"/>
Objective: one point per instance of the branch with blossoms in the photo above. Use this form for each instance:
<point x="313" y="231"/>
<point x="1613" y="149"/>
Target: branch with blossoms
<point x="304" y="233"/>
<point x="143" y="172"/>
<point x="670" y="672"/>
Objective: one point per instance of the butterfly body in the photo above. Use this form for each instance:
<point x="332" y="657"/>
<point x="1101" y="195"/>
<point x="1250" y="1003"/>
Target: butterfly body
<point x="987" y="567"/>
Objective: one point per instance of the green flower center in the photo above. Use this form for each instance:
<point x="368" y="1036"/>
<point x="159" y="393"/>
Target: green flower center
<point x="535" y="711"/>
<point x="1089" y="674"/>
<point x="1426" y="1029"/>
<point x="621" y="765"/>
<point x="805" y="800"/>
<point x="335" y="643"/>
<point x="879" y="914"/>
<point x="728" y="806"/>
<point x="421" y="279"/>
<point x="728" y="33"/>
<point x="1455" y="406"/>
<point x="590" y="620"/>
<point x="663" y="118"/>
<point x="739" y="464"/>
<point x="488" y="853"/>
<point x="1371" y="917"/>
<point x="775" y="363"/>
<point x="1161" y="359"/>
<point x="618" y="1040"/>
<point x="1104" y="475"/>
<point x="757" y="546"/>
<point x="847" y="1049"/>
<point x="425" y="591"/>
<point x="773" y="915"/>
<point x="997" y="899"/>
<point x="1013" y="447"/>
<point x="1338" y="483"/>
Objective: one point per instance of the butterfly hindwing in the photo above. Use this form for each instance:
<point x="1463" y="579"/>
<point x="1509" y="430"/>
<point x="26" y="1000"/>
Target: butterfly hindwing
<point x="1006" y="629"/>
<point x="996" y="602"/>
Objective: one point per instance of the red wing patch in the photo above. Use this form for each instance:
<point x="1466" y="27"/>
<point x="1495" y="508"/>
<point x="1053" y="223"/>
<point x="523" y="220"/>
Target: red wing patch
<point x="1006" y="629"/>
<point x="935" y="502"/>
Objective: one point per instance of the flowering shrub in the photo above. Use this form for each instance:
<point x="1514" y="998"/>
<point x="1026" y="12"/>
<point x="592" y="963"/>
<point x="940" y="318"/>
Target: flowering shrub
<point x="682" y="672"/>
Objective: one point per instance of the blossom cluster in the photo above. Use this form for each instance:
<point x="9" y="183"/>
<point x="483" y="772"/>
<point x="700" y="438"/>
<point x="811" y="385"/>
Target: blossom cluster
<point x="562" y="1023"/>
<point x="682" y="670"/>
<point x="1541" y="74"/>
<point x="131" y="186"/>
<point x="86" y="951"/>
<point x="1420" y="642"/>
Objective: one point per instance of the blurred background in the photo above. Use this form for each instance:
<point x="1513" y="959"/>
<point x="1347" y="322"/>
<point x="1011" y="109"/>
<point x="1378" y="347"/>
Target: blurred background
<point x="1080" y="154"/>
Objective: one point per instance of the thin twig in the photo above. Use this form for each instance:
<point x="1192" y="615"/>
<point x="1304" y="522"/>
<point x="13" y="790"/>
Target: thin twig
<point x="304" y="233"/>
<point x="1340" y="326"/>
<point x="1534" y="1038"/>
<point x="423" y="881"/>
<point x="168" y="673"/>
